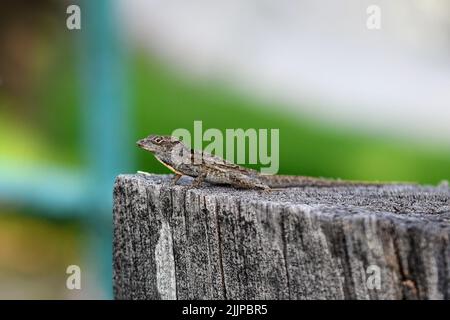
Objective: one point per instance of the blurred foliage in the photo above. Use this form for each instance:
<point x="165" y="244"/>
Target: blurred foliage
<point x="37" y="85"/>
<point x="19" y="234"/>
<point x="34" y="253"/>
<point x="27" y="29"/>
<point x="164" y="101"/>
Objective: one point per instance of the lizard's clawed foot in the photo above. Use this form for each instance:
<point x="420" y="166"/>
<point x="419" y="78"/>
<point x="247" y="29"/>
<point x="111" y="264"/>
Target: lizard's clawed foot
<point x="269" y="190"/>
<point x="175" y="179"/>
<point x="198" y="181"/>
<point x="266" y="191"/>
<point x="196" y="184"/>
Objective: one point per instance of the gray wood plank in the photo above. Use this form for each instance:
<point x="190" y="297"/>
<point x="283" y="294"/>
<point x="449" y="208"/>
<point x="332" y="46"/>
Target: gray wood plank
<point x="215" y="242"/>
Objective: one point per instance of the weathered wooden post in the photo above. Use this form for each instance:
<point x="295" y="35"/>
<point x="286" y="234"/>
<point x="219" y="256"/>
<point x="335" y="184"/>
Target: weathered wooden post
<point x="173" y="242"/>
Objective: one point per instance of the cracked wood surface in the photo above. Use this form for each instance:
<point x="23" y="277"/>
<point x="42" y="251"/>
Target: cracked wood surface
<point x="174" y="242"/>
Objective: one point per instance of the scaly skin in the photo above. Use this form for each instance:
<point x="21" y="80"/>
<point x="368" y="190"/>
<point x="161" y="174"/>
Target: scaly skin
<point x="203" y="166"/>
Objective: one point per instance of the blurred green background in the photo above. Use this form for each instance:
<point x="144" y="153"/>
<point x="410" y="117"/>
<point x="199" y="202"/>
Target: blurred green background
<point x="42" y="125"/>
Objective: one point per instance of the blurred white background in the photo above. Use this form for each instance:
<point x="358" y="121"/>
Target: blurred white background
<point x="318" y="57"/>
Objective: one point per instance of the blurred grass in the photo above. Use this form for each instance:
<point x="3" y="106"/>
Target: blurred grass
<point x="165" y="101"/>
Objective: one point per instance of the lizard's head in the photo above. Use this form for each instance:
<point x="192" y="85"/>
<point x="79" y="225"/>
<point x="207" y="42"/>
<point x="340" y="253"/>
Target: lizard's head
<point x="158" y="144"/>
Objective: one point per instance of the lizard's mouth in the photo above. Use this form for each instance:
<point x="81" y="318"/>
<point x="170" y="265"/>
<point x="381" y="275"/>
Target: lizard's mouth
<point x="142" y="144"/>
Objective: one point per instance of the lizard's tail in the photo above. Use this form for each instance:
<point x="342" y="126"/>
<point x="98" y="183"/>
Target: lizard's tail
<point x="281" y="181"/>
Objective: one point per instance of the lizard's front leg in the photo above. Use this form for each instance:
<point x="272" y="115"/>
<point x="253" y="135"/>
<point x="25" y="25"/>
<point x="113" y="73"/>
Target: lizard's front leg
<point x="175" y="179"/>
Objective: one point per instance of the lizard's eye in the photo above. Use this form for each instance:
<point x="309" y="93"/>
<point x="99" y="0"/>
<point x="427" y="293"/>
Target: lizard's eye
<point x="157" y="140"/>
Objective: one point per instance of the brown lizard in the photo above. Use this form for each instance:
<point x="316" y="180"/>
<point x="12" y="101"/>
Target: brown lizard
<point x="203" y="166"/>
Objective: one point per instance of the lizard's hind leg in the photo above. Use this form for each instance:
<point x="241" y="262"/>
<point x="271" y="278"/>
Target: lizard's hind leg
<point x="246" y="182"/>
<point x="199" y="180"/>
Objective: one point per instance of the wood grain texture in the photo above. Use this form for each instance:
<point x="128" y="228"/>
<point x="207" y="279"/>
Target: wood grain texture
<point x="175" y="242"/>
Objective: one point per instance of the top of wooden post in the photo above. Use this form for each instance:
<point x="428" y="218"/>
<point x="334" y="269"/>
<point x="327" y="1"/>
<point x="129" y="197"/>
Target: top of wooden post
<point x="217" y="242"/>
